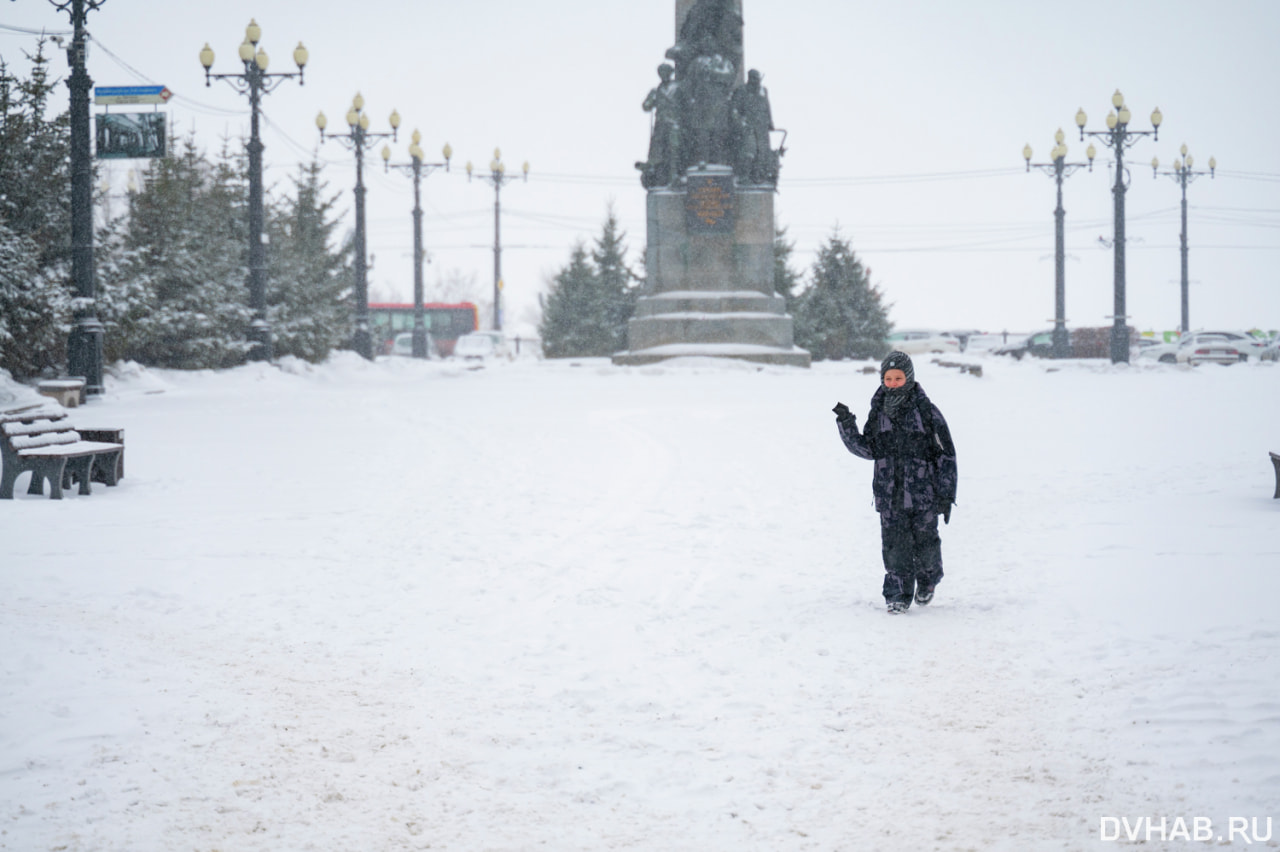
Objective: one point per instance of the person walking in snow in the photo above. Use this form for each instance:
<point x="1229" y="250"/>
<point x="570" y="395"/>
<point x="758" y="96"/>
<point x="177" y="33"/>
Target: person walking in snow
<point x="914" y="479"/>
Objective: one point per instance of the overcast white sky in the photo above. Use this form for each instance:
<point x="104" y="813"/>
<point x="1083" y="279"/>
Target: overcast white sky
<point x="906" y="124"/>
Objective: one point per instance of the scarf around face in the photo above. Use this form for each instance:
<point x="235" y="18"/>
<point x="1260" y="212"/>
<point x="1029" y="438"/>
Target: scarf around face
<point x="894" y="398"/>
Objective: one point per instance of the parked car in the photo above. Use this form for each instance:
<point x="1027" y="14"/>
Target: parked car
<point x="1215" y="347"/>
<point x="403" y="344"/>
<point x="963" y="335"/>
<point x="1082" y="343"/>
<point x="1150" y="349"/>
<point x="920" y="342"/>
<point x="992" y="342"/>
<point x="481" y="346"/>
<point x="1248" y="344"/>
<point x="1272" y="352"/>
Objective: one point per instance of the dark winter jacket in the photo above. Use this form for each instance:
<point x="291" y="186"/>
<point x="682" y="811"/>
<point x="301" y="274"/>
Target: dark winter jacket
<point x="915" y="459"/>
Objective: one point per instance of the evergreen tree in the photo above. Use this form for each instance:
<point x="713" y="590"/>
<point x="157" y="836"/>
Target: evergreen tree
<point x="34" y="306"/>
<point x="590" y="300"/>
<point x="177" y="297"/>
<point x="615" y="292"/>
<point x="35" y="223"/>
<point x="841" y="314"/>
<point x="309" y="280"/>
<point x="35" y="157"/>
<point x="563" y="332"/>
<point x="785" y="279"/>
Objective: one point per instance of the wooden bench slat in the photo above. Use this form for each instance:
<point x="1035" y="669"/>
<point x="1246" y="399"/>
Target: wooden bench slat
<point x="35" y="442"/>
<point x="34" y="426"/>
<point x="43" y="427"/>
<point x="79" y="448"/>
<point x="32" y="412"/>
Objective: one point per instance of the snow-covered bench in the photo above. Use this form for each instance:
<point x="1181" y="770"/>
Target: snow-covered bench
<point x="40" y="439"/>
<point x="1275" y="461"/>
<point x="68" y="392"/>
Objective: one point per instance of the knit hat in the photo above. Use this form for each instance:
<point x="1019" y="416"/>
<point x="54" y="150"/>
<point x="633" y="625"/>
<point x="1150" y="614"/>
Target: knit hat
<point x="898" y="361"/>
<point x="895" y="397"/>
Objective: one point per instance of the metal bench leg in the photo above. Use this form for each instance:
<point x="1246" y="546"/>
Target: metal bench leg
<point x="50" y="469"/>
<point x="7" y="479"/>
<point x="77" y="470"/>
<point x="1275" y="461"/>
<point x="36" y="486"/>
<point x="109" y="465"/>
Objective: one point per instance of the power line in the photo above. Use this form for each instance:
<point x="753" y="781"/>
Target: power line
<point x="924" y="177"/>
<point x="40" y="32"/>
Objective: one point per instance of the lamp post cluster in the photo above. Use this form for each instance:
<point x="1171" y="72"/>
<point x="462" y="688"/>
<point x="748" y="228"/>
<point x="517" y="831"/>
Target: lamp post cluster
<point x="1183" y="173"/>
<point x="358" y="140"/>
<point x="417" y="168"/>
<point x="1059" y="168"/>
<point x="498" y="177"/>
<point x="255" y="81"/>
<point x="1118" y="136"/>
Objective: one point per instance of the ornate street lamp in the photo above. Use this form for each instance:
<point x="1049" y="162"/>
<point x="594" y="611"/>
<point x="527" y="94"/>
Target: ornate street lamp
<point x="497" y="176"/>
<point x="254" y="81"/>
<point x="358" y="139"/>
<point x="84" y="344"/>
<point x="417" y="169"/>
<point x="1059" y="168"/>
<point x="1183" y="174"/>
<point x="1118" y="137"/>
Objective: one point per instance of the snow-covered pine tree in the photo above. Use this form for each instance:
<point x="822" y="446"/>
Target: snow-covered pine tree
<point x="585" y="313"/>
<point x="179" y="296"/>
<point x="563" y="330"/>
<point x="615" y="286"/>
<point x="785" y="278"/>
<point x="35" y="223"/>
<point x="840" y="314"/>
<point x="309" y="278"/>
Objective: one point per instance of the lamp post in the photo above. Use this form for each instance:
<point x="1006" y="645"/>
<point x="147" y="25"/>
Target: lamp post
<point x="497" y="176"/>
<point x="1181" y="171"/>
<point x="1059" y="169"/>
<point x="417" y="168"/>
<point x="358" y="139"/>
<point x="1118" y="137"/>
<point x="84" y="343"/>
<point x="255" y="82"/>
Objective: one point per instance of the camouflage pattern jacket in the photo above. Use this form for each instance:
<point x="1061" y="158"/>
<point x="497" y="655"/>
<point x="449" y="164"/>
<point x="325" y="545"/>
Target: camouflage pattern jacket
<point x="915" y="459"/>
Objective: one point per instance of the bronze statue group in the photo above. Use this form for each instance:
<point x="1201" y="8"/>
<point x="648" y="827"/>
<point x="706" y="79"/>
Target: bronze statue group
<point x="703" y="114"/>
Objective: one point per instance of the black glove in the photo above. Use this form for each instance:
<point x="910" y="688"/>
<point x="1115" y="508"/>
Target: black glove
<point x="844" y="415"/>
<point x="944" y="509"/>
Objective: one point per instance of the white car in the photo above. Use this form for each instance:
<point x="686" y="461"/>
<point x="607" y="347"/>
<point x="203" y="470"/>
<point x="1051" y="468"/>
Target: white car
<point x="1218" y="347"/>
<point x="481" y="346"/>
<point x="1150" y="349"/>
<point x="919" y="342"/>
<point x="403" y="344"/>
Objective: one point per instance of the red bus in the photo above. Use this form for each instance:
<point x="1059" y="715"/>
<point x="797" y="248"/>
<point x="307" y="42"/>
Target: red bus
<point x="445" y="323"/>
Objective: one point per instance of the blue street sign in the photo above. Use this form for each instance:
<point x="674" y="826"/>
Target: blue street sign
<point x="131" y="94"/>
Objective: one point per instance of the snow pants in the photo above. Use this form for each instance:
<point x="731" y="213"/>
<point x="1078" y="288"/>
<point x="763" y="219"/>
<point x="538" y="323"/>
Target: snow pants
<point x="912" y="553"/>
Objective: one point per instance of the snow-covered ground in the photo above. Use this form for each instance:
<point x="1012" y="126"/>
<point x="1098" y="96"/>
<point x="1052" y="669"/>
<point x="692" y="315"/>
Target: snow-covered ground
<point x="569" y="606"/>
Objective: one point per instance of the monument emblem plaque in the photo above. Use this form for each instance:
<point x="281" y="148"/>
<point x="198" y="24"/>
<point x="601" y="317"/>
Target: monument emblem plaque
<point x="711" y="175"/>
<point x="708" y="204"/>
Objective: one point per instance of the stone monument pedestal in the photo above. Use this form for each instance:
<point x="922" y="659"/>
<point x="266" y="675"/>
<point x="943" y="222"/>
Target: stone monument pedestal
<point x="709" y="264"/>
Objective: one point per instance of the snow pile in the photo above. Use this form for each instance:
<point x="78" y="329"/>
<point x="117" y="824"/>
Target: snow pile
<point x="565" y="605"/>
<point x="15" y="394"/>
